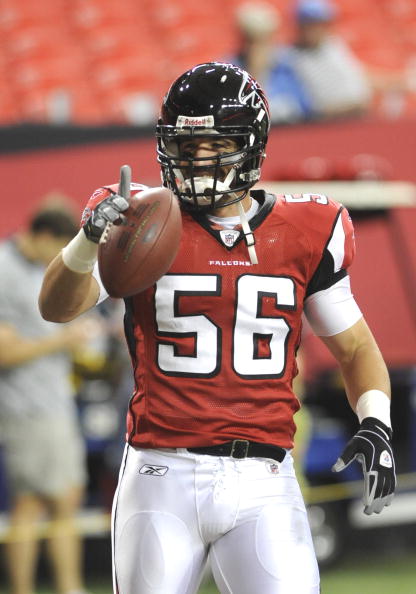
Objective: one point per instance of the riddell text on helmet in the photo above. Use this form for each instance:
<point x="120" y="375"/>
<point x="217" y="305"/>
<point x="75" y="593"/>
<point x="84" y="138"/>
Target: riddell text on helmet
<point x="202" y="122"/>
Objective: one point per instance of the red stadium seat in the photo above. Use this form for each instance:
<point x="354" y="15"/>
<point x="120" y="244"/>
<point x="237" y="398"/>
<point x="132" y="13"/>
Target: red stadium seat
<point x="38" y="43"/>
<point x="402" y="11"/>
<point x="15" y="14"/>
<point x="130" y="71"/>
<point x="138" y="107"/>
<point x="109" y="41"/>
<point x="136" y="46"/>
<point x="348" y="9"/>
<point x="76" y="104"/>
<point x="10" y="112"/>
<point x="52" y="72"/>
<point x="90" y="14"/>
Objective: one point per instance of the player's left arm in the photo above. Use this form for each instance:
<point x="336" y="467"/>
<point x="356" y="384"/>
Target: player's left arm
<point x="336" y="318"/>
<point x="362" y="365"/>
<point x="367" y="386"/>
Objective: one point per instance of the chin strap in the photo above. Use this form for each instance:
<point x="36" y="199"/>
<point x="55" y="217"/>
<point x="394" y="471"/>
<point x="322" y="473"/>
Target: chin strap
<point x="202" y="183"/>
<point x="248" y="234"/>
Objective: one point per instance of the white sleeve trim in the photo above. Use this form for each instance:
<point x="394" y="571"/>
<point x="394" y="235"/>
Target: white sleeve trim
<point x="103" y="293"/>
<point x="332" y="310"/>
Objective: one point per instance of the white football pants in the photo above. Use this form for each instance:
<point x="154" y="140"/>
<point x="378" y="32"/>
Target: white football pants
<point x="173" y="508"/>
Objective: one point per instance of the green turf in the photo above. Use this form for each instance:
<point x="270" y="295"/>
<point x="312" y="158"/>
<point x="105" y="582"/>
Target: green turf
<point x="386" y="576"/>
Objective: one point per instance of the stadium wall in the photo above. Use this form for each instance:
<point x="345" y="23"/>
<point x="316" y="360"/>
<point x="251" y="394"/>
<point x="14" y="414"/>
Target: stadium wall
<point x="37" y="163"/>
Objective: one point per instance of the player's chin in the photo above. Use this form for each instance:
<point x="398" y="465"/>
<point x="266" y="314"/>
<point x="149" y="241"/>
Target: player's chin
<point x="201" y="172"/>
<point x="198" y="203"/>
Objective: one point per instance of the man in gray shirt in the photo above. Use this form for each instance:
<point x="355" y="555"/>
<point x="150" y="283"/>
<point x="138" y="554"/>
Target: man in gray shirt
<point x="43" y="448"/>
<point x="332" y="77"/>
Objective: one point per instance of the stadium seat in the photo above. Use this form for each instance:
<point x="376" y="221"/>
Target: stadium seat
<point x="110" y="40"/>
<point x="130" y="70"/>
<point x="372" y="41"/>
<point x="89" y="14"/>
<point x="10" y="112"/>
<point x="75" y="104"/>
<point x="37" y="43"/>
<point x="15" y="14"/>
<point x="356" y="8"/>
<point x="49" y="72"/>
<point x="139" y="46"/>
<point x="132" y="106"/>
<point x="402" y="11"/>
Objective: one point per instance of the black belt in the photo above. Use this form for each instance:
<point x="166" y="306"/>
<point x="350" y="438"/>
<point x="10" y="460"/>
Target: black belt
<point x="242" y="448"/>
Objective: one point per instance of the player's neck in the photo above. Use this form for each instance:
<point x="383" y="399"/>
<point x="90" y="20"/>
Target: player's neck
<point x="232" y="210"/>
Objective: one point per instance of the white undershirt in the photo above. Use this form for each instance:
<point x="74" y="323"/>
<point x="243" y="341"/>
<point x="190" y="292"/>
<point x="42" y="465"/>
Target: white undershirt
<point x="231" y="222"/>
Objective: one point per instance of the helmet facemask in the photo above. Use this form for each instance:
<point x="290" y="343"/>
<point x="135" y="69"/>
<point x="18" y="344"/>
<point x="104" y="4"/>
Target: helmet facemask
<point x="204" y="183"/>
<point x="212" y="99"/>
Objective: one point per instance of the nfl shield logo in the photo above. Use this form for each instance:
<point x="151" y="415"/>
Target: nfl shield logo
<point x="273" y="468"/>
<point x="229" y="236"/>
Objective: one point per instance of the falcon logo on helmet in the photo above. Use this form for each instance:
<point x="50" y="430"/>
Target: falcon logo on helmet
<point x="255" y="99"/>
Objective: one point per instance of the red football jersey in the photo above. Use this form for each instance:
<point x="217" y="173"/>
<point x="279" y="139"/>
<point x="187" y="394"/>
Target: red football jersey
<point x="213" y="343"/>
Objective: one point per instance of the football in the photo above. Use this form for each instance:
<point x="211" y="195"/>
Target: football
<point x="133" y="255"/>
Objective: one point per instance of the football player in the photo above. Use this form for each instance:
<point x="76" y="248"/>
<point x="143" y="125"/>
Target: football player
<point x="207" y="468"/>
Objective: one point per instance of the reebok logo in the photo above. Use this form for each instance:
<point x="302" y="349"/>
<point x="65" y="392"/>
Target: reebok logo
<point x="152" y="470"/>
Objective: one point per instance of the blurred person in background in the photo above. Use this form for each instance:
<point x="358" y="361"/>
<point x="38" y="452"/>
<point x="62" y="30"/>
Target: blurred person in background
<point x="258" y="24"/>
<point x="333" y="79"/>
<point x="43" y="447"/>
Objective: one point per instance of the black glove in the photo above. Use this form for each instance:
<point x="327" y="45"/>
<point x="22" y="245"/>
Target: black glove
<point x="371" y="447"/>
<point x="108" y="211"/>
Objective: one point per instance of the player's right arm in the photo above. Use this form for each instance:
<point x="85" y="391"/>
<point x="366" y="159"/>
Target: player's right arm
<point x="69" y="287"/>
<point x="66" y="294"/>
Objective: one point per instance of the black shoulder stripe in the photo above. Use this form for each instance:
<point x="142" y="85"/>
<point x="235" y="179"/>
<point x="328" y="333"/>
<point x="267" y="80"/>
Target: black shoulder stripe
<point x="320" y="282"/>
<point x="266" y="201"/>
<point x="325" y="275"/>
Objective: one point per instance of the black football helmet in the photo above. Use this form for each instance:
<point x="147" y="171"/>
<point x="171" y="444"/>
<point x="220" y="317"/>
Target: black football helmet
<point x="213" y="99"/>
